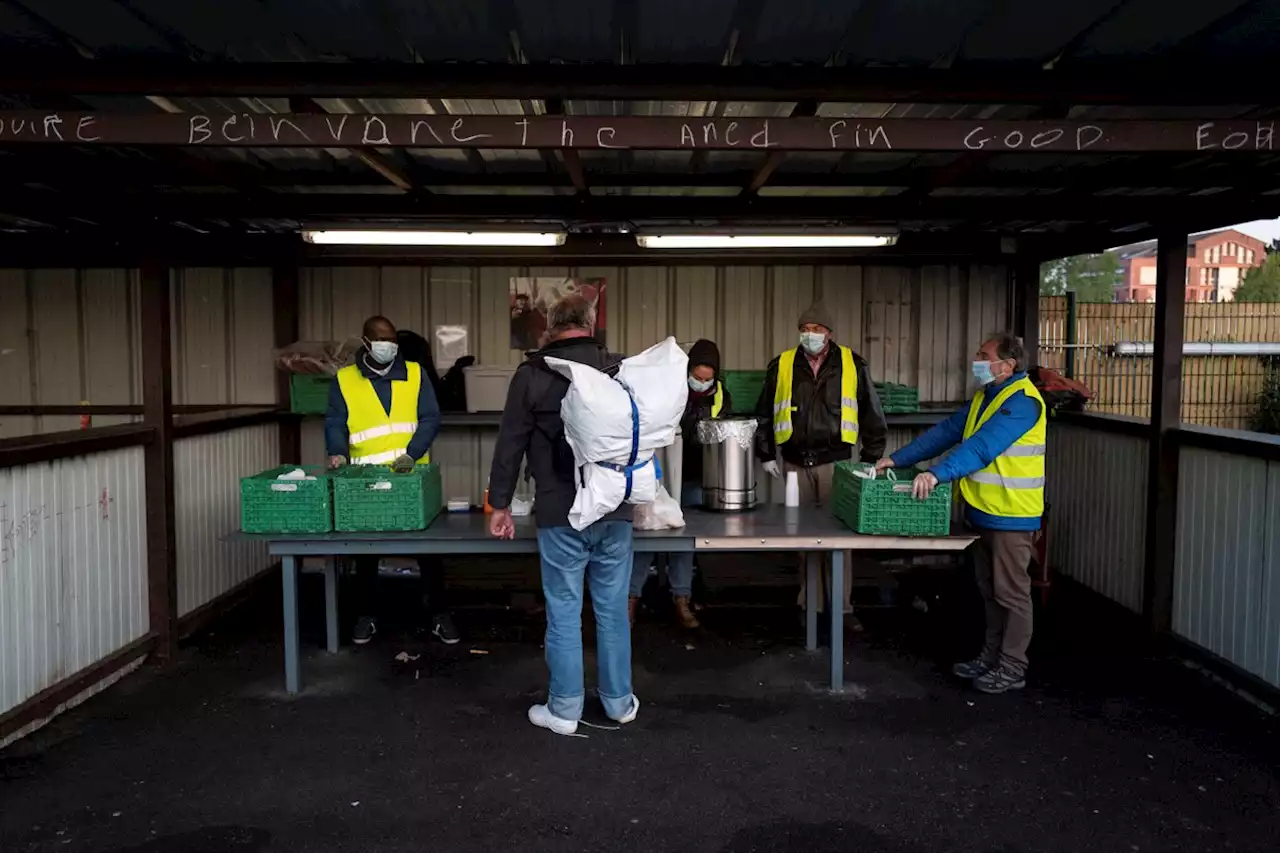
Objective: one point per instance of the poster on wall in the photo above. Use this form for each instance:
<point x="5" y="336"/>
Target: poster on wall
<point x="532" y="296"/>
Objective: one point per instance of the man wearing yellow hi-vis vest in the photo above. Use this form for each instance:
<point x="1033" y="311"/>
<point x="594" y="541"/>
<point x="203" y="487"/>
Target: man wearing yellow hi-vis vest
<point x="820" y="403"/>
<point x="383" y="411"/>
<point x="998" y="463"/>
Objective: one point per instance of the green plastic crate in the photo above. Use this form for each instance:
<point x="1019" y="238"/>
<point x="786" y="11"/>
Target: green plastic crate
<point x="898" y="399"/>
<point x="309" y="393"/>
<point x="744" y="387"/>
<point x="375" y="498"/>
<point x="269" y="505"/>
<point x="885" y="507"/>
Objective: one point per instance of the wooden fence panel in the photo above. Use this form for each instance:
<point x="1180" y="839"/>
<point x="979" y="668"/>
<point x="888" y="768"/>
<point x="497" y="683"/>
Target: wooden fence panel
<point x="1219" y="391"/>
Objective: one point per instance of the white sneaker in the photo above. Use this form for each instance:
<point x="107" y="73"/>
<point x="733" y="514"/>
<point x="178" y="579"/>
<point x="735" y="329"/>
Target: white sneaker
<point x="541" y="716"/>
<point x="630" y="716"/>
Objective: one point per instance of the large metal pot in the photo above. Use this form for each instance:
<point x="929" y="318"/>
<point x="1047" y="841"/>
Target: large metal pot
<point x="728" y="464"/>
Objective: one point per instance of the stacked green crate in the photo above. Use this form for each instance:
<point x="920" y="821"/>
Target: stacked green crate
<point x="375" y="498"/>
<point x="271" y="505"/>
<point x="744" y="389"/>
<point x="898" y="399"/>
<point x="309" y="393"/>
<point x="886" y="507"/>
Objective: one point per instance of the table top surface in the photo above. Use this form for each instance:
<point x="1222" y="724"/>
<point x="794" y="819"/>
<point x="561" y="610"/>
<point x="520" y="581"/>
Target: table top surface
<point x="764" y="528"/>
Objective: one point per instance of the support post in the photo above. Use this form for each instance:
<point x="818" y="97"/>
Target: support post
<point x="1026" y="281"/>
<point x="1070" y="362"/>
<point x="157" y="413"/>
<point x="284" y="304"/>
<point x="1166" y="405"/>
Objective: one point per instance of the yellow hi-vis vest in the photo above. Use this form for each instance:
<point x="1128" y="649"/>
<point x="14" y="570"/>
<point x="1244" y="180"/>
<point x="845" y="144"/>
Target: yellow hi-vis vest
<point x="782" y="408"/>
<point x="717" y="402"/>
<point x="376" y="437"/>
<point x="1012" y="486"/>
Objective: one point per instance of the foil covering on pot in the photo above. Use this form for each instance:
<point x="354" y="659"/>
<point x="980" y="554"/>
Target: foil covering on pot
<point x="740" y="430"/>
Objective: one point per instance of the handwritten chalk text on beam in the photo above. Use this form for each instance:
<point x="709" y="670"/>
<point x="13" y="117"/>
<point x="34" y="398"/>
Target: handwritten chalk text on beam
<point x="629" y="132"/>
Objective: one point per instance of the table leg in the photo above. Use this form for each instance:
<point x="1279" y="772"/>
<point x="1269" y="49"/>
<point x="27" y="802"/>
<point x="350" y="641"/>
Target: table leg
<point x="836" y="606"/>
<point x="331" y="605"/>
<point x="812" y="589"/>
<point x="292" y="662"/>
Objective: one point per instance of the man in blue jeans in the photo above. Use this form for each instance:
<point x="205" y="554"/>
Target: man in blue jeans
<point x="531" y="427"/>
<point x="708" y="398"/>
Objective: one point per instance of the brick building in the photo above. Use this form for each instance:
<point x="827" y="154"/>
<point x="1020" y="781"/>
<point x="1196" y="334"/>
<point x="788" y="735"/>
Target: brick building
<point x="1216" y="264"/>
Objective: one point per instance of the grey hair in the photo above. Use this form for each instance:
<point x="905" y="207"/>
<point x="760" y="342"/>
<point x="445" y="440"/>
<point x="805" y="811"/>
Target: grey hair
<point x="571" y="312"/>
<point x="1009" y="347"/>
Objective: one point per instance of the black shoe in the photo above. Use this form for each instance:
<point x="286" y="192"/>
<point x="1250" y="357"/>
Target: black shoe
<point x="364" y="630"/>
<point x="444" y="630"/>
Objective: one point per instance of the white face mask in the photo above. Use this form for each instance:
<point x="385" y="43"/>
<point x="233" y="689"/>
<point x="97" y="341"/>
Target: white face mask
<point x="383" y="352"/>
<point x="699" y="385"/>
<point x="813" y="342"/>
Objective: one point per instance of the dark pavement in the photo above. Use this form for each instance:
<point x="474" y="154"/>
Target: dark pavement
<point x="738" y="747"/>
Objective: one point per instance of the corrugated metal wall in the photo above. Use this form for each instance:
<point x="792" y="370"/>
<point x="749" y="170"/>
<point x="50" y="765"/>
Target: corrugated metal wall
<point x="1227" y="570"/>
<point x="73" y="567"/>
<point x="206" y="485"/>
<point x="1096" y="491"/>
<point x="73" y="335"/>
<point x="916" y="326"/>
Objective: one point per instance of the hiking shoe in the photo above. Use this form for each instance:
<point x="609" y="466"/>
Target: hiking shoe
<point x="364" y="630"/>
<point x="541" y="716"/>
<point x="684" y="613"/>
<point x="443" y="629"/>
<point x="1001" y="679"/>
<point x="630" y="716"/>
<point x="971" y="669"/>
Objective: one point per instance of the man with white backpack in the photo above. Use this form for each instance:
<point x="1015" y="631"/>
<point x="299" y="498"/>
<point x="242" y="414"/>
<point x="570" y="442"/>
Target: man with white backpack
<point x="532" y="428"/>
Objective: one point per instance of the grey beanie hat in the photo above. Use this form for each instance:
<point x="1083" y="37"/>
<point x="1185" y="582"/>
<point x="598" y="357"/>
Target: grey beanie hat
<point x="817" y="313"/>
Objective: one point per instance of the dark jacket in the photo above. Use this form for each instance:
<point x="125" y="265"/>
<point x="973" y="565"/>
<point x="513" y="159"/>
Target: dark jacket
<point x="531" y="428"/>
<point x="414" y="347"/>
<point x="815" y="439"/>
<point x="697" y="409"/>
<point x="703" y="352"/>
<point x="336" y="436"/>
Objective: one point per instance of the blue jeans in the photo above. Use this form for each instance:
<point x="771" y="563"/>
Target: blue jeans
<point x="602" y="554"/>
<point x="679" y="565"/>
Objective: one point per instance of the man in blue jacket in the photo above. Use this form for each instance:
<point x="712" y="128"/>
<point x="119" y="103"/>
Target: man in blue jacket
<point x="997" y="456"/>
<point x="395" y="425"/>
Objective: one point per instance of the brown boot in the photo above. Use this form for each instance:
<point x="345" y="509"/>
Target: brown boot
<point x="632" y="603"/>
<point x="684" y="613"/>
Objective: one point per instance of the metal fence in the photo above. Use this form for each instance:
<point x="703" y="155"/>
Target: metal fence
<point x="1079" y="340"/>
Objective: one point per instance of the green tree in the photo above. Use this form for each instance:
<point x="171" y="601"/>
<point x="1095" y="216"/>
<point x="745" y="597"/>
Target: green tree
<point x="1261" y="284"/>
<point x="1093" y="278"/>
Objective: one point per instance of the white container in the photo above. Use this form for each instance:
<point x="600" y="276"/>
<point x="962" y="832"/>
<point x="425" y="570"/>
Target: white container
<point x="793" y="489"/>
<point x="487" y="387"/>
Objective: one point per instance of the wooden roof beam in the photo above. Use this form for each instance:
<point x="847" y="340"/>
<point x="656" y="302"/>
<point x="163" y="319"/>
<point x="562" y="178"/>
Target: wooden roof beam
<point x="397" y="176"/>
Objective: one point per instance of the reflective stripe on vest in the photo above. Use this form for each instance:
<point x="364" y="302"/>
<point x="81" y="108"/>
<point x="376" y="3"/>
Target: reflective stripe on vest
<point x="717" y="402"/>
<point x="783" y="428"/>
<point x="1012" y="486"/>
<point x="376" y="436"/>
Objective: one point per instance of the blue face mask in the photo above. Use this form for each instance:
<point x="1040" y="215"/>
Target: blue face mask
<point x="700" y="387"/>
<point x="813" y="342"/>
<point x="982" y="372"/>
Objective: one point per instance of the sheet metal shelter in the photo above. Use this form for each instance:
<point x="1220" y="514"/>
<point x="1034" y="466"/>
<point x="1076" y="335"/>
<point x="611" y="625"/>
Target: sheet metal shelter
<point x="159" y="159"/>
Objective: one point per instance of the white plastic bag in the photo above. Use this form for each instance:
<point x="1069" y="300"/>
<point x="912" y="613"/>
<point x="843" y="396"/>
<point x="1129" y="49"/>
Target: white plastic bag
<point x="663" y="514"/>
<point x="600" y="427"/>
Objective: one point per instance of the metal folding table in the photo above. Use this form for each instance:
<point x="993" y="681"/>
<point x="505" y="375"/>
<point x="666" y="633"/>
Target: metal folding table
<point x="772" y="528"/>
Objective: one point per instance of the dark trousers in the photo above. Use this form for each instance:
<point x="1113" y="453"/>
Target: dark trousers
<point x="428" y="588"/>
<point x="1001" y="562"/>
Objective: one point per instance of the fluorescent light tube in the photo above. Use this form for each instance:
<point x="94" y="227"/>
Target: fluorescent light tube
<point x="764" y="241"/>
<point x="435" y="238"/>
